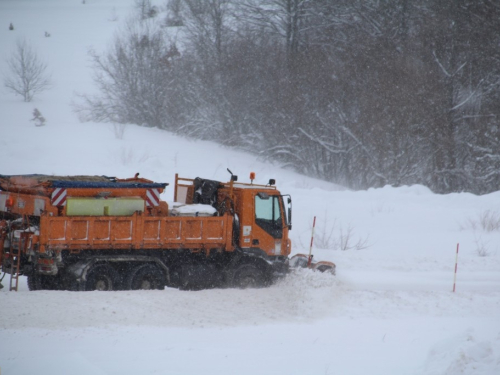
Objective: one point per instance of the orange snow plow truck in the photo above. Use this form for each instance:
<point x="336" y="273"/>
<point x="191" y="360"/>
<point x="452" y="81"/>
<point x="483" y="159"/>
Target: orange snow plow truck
<point x="105" y="233"/>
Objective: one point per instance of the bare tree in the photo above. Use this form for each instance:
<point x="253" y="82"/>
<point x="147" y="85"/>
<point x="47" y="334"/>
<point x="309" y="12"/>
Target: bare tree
<point x="145" y="9"/>
<point x="28" y="74"/>
<point x="38" y="118"/>
<point x="358" y="93"/>
<point x="134" y="79"/>
<point x="207" y="24"/>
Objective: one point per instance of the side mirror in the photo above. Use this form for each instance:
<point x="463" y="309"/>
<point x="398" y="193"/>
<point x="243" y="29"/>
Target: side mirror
<point x="289" y="217"/>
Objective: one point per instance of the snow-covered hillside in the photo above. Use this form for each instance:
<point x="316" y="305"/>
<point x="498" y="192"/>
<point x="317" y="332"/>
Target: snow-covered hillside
<point x="389" y="310"/>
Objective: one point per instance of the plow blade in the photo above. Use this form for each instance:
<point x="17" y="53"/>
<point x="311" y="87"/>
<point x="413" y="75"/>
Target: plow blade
<point x="303" y="261"/>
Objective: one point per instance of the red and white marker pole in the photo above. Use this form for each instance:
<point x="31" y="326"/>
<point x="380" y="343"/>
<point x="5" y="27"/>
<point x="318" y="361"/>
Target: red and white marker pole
<point x="309" y="260"/>
<point x="456" y="266"/>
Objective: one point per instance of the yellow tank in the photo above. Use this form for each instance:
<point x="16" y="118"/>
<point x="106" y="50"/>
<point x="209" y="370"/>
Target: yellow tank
<point x="104" y="207"/>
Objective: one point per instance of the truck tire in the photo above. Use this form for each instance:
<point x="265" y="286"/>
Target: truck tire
<point x="249" y="276"/>
<point x="43" y="282"/>
<point x="102" y="277"/>
<point x="146" y="277"/>
<point x="34" y="282"/>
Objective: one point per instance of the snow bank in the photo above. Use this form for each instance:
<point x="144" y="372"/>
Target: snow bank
<point x="464" y="354"/>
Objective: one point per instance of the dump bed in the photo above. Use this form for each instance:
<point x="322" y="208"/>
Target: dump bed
<point x="135" y="232"/>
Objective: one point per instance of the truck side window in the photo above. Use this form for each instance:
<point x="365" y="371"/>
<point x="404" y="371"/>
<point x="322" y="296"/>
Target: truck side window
<point x="268" y="215"/>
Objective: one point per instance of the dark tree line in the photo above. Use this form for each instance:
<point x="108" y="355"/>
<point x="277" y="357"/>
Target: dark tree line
<point x="361" y="93"/>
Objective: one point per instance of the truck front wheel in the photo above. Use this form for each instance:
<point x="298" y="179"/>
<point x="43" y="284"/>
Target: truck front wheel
<point x="249" y="276"/>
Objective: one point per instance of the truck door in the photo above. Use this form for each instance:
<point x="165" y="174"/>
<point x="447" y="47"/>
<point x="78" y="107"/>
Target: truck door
<point x="269" y="223"/>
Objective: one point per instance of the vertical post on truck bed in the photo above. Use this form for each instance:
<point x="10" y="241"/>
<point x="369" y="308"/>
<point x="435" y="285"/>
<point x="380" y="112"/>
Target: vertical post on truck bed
<point x="175" y="187"/>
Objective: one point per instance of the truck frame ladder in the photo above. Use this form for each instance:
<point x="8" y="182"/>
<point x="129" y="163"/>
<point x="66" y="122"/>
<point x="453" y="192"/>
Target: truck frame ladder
<point x="14" y="275"/>
<point x="16" y="261"/>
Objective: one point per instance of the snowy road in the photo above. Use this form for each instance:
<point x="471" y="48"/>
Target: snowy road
<point x="308" y="324"/>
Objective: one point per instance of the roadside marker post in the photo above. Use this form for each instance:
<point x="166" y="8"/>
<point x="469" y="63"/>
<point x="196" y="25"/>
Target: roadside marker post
<point x="456" y="266"/>
<point x="309" y="260"/>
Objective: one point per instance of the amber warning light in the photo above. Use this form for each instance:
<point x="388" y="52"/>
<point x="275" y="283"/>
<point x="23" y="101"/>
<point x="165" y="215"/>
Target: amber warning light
<point x="252" y="176"/>
<point x="9" y="202"/>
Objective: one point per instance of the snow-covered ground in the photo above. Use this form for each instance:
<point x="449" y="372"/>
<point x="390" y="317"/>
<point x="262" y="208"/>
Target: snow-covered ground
<point x="390" y="310"/>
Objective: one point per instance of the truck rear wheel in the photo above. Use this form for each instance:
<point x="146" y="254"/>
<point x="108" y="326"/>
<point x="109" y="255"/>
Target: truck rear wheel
<point x="34" y="282"/>
<point x="102" y="277"/>
<point x="145" y="276"/>
<point x="43" y="282"/>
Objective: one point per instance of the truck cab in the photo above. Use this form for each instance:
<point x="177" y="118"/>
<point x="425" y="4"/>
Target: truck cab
<point x="262" y="217"/>
<point x="261" y="221"/>
<point x="264" y="221"/>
